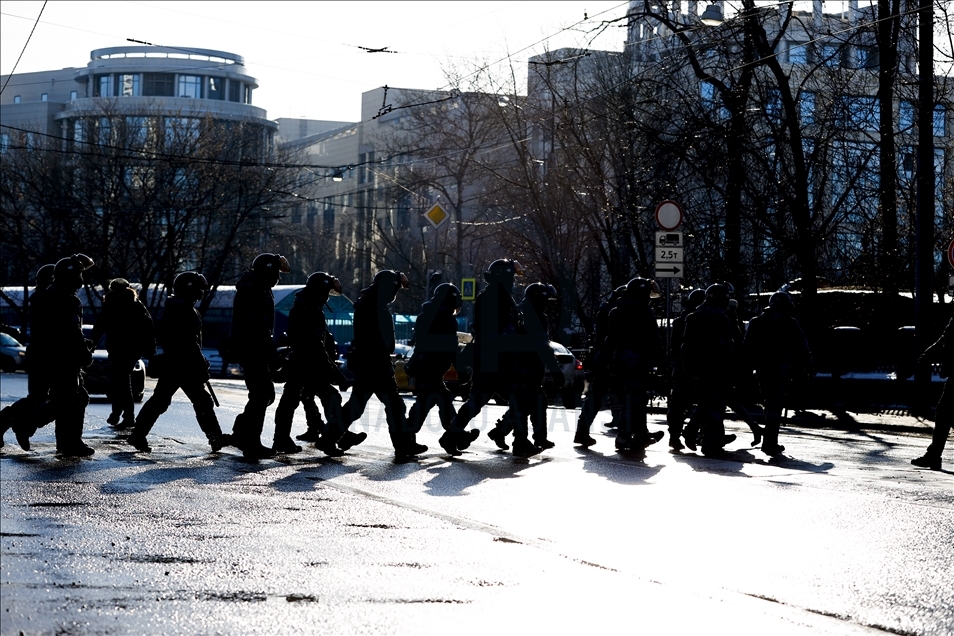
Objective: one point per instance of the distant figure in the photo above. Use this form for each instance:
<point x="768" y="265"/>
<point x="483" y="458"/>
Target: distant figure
<point x="597" y="364"/>
<point x="635" y="349"/>
<point x="679" y="401"/>
<point x="370" y="360"/>
<point x="183" y="365"/>
<point x="777" y="349"/>
<point x="250" y="342"/>
<point x="707" y="355"/>
<point x="942" y="350"/>
<point x="129" y="332"/>
<point x="311" y="370"/>
<point x="535" y="358"/>
<point x="58" y="335"/>
<point x="28" y="414"/>
<point x="435" y="350"/>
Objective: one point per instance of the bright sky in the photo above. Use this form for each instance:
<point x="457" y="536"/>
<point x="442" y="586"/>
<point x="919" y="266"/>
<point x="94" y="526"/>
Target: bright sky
<point x="306" y="55"/>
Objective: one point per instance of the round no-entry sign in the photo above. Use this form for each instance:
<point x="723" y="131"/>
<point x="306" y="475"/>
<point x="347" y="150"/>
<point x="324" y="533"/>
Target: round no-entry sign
<point x="668" y="215"/>
<point x="950" y="253"/>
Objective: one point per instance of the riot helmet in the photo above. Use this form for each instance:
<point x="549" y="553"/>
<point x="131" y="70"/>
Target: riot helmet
<point x="642" y="289"/>
<point x="696" y="298"/>
<point x="717" y="295"/>
<point x="190" y="286"/>
<point x="503" y="271"/>
<point x="782" y="302"/>
<point x="389" y="281"/>
<point x="447" y="295"/>
<point x="44" y="276"/>
<point x="270" y="267"/>
<point x="324" y="282"/>
<point x="69" y="271"/>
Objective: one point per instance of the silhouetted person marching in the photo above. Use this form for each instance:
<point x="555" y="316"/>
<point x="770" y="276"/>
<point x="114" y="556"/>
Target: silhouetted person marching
<point x="942" y="350"/>
<point x="677" y="406"/>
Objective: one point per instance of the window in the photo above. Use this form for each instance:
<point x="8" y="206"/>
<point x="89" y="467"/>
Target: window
<point x="868" y="57"/>
<point x="906" y="116"/>
<point x="137" y="131"/>
<point x="858" y="113"/>
<point x="158" y="84"/>
<point x="773" y="104"/>
<point x="328" y="216"/>
<point x="798" y="52"/>
<point x="216" y="88"/>
<point x="102" y="86"/>
<point x="235" y="90"/>
<point x="832" y="55"/>
<point x="73" y="95"/>
<point x="16" y="99"/>
<point x="806" y="108"/>
<point x="190" y="86"/>
<point x="127" y="85"/>
<point x="940" y="114"/>
<point x="4" y="143"/>
<point x="248" y="95"/>
<point x="79" y="131"/>
<point x="105" y="130"/>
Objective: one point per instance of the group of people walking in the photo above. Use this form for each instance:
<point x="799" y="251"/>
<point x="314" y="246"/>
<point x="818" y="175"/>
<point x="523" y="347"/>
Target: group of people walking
<point x="510" y="358"/>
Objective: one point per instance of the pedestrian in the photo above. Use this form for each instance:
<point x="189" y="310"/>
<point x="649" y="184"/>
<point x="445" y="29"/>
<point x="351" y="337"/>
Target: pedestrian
<point x="58" y="336"/>
<point x="740" y="372"/>
<point x="707" y="354"/>
<point x="677" y="406"/>
<point x="942" y="350"/>
<point x="597" y="366"/>
<point x="28" y="414"/>
<point x="129" y="332"/>
<point x="435" y="351"/>
<point x="182" y="365"/>
<point x="776" y="347"/>
<point x="311" y="370"/>
<point x="635" y="349"/>
<point x="251" y="345"/>
<point x="496" y="349"/>
<point x="370" y="360"/>
<point x="535" y="358"/>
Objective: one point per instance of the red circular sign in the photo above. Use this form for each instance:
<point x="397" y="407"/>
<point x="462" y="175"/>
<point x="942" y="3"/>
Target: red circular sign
<point x="950" y="253"/>
<point x="668" y="215"/>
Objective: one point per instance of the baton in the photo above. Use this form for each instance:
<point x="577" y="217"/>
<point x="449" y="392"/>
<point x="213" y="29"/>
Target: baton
<point x="215" y="400"/>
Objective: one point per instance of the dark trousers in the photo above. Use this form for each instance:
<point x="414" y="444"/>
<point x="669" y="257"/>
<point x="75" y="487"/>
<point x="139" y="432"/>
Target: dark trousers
<point x="481" y="394"/>
<point x="677" y="406"/>
<point x="33" y="411"/>
<point x="535" y="400"/>
<point x="69" y="400"/>
<point x="385" y="389"/>
<point x="261" y="394"/>
<point x="596" y="395"/>
<point x="302" y="388"/>
<point x="709" y="415"/>
<point x="773" y="385"/>
<point x="120" y="389"/>
<point x="431" y="392"/>
<point x="943" y="419"/>
<point x="158" y="403"/>
<point x="632" y="421"/>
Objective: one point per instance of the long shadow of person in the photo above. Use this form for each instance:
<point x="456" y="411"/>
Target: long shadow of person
<point x="621" y="468"/>
<point x="310" y="474"/>
<point x="453" y="478"/>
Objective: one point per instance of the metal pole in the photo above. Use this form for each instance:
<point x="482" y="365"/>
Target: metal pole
<point x="924" y="250"/>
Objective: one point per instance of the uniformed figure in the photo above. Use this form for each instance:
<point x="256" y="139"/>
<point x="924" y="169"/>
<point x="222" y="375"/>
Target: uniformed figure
<point x="128" y="327"/>
<point x="496" y="350"/>
<point x="740" y="372"/>
<point x="58" y="335"/>
<point x="370" y="361"/>
<point x="535" y="358"/>
<point x="597" y="364"/>
<point x="28" y="414"/>
<point x="707" y="355"/>
<point x="183" y="365"/>
<point x="311" y="368"/>
<point x="679" y="399"/>
<point x="942" y="350"/>
<point x="777" y="349"/>
<point x="435" y="350"/>
<point x="250" y="343"/>
<point x="635" y="349"/>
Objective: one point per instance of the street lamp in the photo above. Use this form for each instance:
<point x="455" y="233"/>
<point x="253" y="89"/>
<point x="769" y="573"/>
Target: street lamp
<point x="713" y="15"/>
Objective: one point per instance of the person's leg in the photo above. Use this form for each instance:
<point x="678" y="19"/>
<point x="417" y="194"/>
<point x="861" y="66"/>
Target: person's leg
<point x="204" y="407"/>
<point x="156" y="405"/>
<point x="247" y="430"/>
<point x="120" y="390"/>
<point x="943" y="419"/>
<point x="285" y="414"/>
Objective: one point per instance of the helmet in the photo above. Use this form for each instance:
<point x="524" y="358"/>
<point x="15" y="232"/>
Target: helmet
<point x="270" y="263"/>
<point x="642" y="289"/>
<point x="503" y="271"/>
<point x="781" y="301"/>
<point x="448" y="295"/>
<point x="324" y="282"/>
<point x="540" y="292"/>
<point x="696" y="298"/>
<point x="390" y="281"/>
<point x="190" y="285"/>
<point x="118" y="283"/>
<point x="70" y="270"/>
<point x="718" y="294"/>
<point x="44" y="276"/>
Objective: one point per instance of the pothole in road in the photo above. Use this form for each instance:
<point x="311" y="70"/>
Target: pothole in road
<point x="58" y="504"/>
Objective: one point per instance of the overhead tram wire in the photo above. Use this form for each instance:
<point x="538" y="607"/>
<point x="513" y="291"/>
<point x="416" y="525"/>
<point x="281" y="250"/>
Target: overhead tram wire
<point x="25" y="44"/>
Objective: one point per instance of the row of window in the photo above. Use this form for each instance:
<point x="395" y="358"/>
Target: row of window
<point x="171" y="85"/>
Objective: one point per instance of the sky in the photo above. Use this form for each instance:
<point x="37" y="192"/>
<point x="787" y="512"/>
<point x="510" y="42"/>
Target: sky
<point x="306" y="56"/>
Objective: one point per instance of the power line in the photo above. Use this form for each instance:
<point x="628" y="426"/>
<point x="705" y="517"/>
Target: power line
<point x="24" y="48"/>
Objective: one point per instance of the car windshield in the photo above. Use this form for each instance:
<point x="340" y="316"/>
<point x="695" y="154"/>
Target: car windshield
<point x="558" y="348"/>
<point x="9" y="341"/>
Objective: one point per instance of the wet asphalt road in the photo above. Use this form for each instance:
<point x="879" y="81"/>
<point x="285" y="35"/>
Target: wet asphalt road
<point x="841" y="536"/>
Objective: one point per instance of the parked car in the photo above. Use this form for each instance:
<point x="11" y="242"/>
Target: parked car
<point x="12" y="354"/>
<point x="573" y="377"/>
<point x="97" y="376"/>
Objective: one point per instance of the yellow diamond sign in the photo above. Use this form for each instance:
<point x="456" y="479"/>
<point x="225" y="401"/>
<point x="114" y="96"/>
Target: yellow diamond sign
<point x="436" y="215"/>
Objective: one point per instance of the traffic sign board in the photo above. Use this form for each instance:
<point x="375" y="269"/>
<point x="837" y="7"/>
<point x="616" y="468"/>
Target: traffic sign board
<point x="669" y="255"/>
<point x="669" y="239"/>
<point x="668" y="215"/>
<point x="468" y="288"/>
<point x="436" y="216"/>
<point x="950" y="253"/>
<point x="669" y="270"/>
